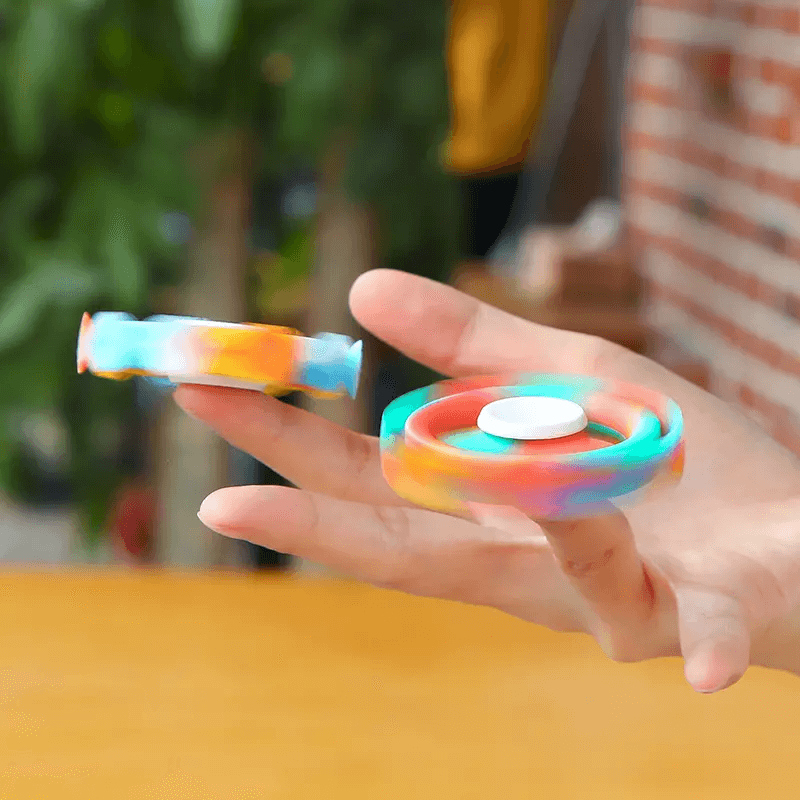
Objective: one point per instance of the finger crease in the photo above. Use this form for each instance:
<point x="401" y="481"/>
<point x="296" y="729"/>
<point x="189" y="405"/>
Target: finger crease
<point x="360" y="453"/>
<point x="584" y="568"/>
<point x="457" y="360"/>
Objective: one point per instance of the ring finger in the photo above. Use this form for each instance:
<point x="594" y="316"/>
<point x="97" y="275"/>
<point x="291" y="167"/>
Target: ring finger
<point x="306" y="449"/>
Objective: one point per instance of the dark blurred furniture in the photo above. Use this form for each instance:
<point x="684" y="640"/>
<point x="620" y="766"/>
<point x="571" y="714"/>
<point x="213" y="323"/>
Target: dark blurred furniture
<point x="598" y="295"/>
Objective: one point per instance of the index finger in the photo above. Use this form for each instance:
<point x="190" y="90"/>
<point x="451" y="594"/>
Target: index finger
<point x="457" y="335"/>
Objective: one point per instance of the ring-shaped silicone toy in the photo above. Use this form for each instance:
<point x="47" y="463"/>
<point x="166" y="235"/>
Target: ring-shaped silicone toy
<point x="433" y="455"/>
<point x="173" y="350"/>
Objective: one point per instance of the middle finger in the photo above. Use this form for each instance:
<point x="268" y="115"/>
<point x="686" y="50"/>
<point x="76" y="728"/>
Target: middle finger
<point x="304" y="448"/>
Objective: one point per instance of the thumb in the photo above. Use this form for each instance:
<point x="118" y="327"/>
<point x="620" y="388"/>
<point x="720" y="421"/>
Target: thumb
<point x="714" y="637"/>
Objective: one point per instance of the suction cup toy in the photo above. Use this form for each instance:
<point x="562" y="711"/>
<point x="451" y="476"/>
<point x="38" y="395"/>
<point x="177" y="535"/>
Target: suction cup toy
<point x="553" y="446"/>
<point x="175" y="350"/>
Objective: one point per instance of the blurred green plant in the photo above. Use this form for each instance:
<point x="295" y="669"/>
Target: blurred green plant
<point x="101" y="103"/>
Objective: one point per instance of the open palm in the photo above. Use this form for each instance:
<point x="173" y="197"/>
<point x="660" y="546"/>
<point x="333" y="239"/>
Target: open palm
<point x="704" y="570"/>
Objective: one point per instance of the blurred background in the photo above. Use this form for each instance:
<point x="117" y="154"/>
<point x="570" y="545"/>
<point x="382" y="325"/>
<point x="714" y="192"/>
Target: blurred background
<point x="236" y="159"/>
<point x="625" y="169"/>
<point x="246" y="160"/>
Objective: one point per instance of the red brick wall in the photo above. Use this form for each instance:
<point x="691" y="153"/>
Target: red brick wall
<point x="712" y="179"/>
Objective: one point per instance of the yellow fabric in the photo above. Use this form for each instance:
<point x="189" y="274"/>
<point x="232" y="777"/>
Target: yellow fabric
<point x="497" y="62"/>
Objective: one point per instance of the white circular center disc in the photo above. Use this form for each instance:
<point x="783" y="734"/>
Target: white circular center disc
<point x="531" y="418"/>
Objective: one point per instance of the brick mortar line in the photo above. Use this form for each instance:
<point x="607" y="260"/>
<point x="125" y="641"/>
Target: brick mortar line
<point x="687" y="334"/>
<point x="769" y="353"/>
<point x="762" y="321"/>
<point x="782" y="16"/>
<point x="751" y="285"/>
<point x="723" y="251"/>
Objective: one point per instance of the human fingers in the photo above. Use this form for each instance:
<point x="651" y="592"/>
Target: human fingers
<point x="457" y="335"/>
<point x="599" y="557"/>
<point x="407" y="549"/>
<point x="304" y="448"/>
<point x="623" y="601"/>
<point x="714" y="637"/>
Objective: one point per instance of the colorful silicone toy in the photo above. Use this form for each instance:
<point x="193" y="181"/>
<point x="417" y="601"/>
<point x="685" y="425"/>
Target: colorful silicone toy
<point x="176" y="350"/>
<point x="434" y="454"/>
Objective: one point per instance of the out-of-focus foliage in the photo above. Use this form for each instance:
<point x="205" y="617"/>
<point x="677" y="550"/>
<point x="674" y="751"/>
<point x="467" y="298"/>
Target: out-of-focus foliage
<point x="102" y="103"/>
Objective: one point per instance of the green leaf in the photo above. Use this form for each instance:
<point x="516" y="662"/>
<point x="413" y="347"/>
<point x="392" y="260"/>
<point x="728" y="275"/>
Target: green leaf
<point x="86" y="5"/>
<point x="7" y="462"/>
<point x="419" y="89"/>
<point x="50" y="280"/>
<point x="126" y="269"/>
<point x="115" y="109"/>
<point x="209" y="25"/>
<point x="29" y="71"/>
<point x="22" y="200"/>
<point x="314" y="96"/>
<point x="72" y="285"/>
<point x="296" y="254"/>
<point x="20" y="204"/>
<point x="116" y="46"/>
<point x="20" y="310"/>
<point x="371" y="162"/>
<point x="161" y="158"/>
<point x="39" y="62"/>
<point x="83" y="207"/>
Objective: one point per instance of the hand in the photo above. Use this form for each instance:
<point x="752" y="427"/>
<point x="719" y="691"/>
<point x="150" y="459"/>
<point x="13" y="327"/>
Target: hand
<point x="711" y="570"/>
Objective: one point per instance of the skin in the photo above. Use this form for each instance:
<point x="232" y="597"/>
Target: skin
<point x="710" y="570"/>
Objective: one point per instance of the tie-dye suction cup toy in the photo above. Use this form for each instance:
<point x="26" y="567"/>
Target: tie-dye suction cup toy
<point x="553" y="446"/>
<point x="175" y="350"/>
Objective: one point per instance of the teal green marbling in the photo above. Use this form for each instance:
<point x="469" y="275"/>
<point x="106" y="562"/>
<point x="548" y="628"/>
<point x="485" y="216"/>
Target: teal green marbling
<point x="480" y="442"/>
<point x="120" y="343"/>
<point x="646" y="445"/>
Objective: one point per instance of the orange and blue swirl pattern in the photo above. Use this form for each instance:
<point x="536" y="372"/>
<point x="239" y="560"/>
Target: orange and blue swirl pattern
<point x="176" y="350"/>
<point x="434" y="455"/>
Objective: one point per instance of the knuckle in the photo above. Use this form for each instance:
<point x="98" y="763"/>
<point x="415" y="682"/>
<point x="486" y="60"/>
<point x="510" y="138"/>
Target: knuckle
<point x="313" y="520"/>
<point x="399" y="568"/>
<point x="395" y="524"/>
<point x="600" y="354"/>
<point x="461" y="347"/>
<point x="360" y="453"/>
<point x="270" y="437"/>
<point x="582" y="569"/>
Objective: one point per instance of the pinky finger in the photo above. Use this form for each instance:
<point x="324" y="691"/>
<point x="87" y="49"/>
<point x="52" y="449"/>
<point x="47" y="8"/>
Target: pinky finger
<point x="715" y="639"/>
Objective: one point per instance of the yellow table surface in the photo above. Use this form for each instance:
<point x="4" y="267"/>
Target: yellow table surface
<point x="120" y="684"/>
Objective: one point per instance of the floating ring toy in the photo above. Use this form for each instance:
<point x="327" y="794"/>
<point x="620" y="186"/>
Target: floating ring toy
<point x="554" y="446"/>
<point x="175" y="350"/>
